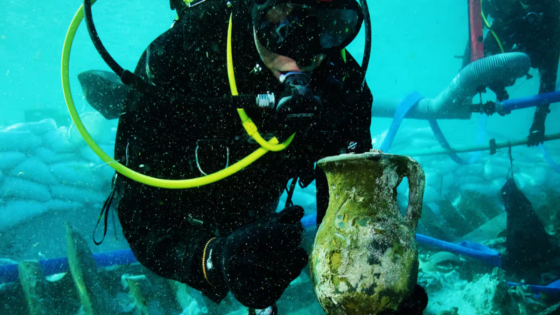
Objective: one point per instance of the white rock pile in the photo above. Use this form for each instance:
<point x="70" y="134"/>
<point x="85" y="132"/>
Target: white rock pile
<point x="487" y="175"/>
<point x="45" y="168"/>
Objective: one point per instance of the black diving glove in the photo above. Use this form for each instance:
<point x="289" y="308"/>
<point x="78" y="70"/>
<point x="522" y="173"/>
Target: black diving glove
<point x="297" y="109"/>
<point x="536" y="133"/>
<point x="258" y="261"/>
<point x="413" y="305"/>
<point x="500" y="91"/>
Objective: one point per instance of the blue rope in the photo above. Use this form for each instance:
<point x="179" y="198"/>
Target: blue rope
<point x="547" y="157"/>
<point x="445" y="144"/>
<point x="402" y="110"/>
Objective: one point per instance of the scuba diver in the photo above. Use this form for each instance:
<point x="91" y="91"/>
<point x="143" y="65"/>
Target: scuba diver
<point x="293" y="75"/>
<point x="531" y="27"/>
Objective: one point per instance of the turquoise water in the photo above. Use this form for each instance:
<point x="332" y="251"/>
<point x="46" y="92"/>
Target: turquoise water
<point x="48" y="175"/>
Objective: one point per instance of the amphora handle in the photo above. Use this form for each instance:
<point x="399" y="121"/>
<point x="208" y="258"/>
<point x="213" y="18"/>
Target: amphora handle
<point x="416" y="183"/>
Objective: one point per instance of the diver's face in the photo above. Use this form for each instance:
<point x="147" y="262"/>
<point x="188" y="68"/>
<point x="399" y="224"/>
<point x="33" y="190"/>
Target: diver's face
<point x="279" y="63"/>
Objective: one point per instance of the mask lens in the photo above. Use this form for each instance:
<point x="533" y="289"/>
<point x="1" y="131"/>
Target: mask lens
<point x="317" y="30"/>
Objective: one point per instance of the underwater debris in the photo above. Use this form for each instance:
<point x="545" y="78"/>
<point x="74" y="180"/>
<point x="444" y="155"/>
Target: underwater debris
<point x="489" y="294"/>
<point x="488" y="231"/>
<point x="454" y="218"/>
<point x="34" y="286"/>
<point x="434" y="226"/>
<point x="435" y="281"/>
<point x="452" y="311"/>
<point x="441" y="261"/>
<point x="553" y="310"/>
<point x="84" y="272"/>
<point x="469" y="205"/>
<point x="56" y="277"/>
<point x="527" y="243"/>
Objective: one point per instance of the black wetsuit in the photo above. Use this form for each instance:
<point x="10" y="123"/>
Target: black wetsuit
<point x="159" y="135"/>
<point x="540" y="40"/>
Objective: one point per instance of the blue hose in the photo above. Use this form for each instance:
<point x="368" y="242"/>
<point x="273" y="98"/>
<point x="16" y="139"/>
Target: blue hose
<point x="9" y="273"/>
<point x="466" y="248"/>
<point x="552" y="290"/>
<point x="530" y="101"/>
<point x="309" y="221"/>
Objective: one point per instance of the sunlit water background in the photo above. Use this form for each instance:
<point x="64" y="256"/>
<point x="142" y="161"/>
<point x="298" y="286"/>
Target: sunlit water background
<point x="415" y="48"/>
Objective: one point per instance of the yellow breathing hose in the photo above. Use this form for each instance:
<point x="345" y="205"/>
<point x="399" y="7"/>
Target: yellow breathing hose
<point x="248" y="124"/>
<point x="490" y="28"/>
<point x="144" y="179"/>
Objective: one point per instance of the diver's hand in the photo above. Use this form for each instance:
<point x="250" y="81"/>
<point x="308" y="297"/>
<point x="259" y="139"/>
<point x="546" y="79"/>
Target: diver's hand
<point x="500" y="91"/>
<point x="536" y="134"/>
<point x="258" y="261"/>
<point x="297" y="109"/>
<point x="416" y="303"/>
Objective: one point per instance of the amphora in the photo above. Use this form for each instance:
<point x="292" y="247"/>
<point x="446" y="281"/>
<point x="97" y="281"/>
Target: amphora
<point x="365" y="260"/>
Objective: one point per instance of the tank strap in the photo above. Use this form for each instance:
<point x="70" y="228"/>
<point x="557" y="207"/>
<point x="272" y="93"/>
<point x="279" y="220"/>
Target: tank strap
<point x="105" y="212"/>
<point x="290" y="191"/>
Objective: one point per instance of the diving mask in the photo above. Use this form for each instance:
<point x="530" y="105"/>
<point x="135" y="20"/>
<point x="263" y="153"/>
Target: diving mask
<point x="534" y="12"/>
<point x="533" y="18"/>
<point x="304" y="28"/>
